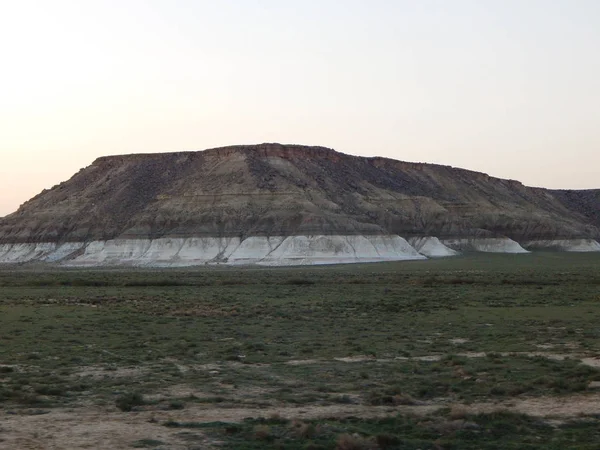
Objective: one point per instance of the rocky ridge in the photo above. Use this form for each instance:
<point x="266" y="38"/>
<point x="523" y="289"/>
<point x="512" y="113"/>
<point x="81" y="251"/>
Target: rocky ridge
<point x="237" y="200"/>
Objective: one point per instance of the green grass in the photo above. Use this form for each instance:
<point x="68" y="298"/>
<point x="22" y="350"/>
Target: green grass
<point x="477" y="432"/>
<point x="228" y="335"/>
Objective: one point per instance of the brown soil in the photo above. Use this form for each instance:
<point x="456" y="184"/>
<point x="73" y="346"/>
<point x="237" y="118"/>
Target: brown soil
<point x="96" y="428"/>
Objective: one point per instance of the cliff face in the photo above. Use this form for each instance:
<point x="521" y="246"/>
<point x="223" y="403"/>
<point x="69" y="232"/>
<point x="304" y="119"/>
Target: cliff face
<point x="287" y="190"/>
<point x="583" y="202"/>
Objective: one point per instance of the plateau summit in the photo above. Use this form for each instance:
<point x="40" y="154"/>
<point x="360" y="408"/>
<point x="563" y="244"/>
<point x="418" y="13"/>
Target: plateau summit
<point x="275" y="204"/>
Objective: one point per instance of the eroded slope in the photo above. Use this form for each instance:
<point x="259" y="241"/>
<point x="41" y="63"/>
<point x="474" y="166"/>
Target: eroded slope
<point x="278" y="191"/>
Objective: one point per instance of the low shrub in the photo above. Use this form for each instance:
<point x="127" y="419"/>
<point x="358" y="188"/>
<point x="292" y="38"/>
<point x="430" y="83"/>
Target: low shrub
<point x="127" y="402"/>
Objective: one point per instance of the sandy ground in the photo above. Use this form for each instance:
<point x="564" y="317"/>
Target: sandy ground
<point x="93" y="428"/>
<point x="108" y="428"/>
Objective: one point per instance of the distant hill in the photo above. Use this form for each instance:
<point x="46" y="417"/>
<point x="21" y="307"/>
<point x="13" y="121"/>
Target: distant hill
<point x="274" y="191"/>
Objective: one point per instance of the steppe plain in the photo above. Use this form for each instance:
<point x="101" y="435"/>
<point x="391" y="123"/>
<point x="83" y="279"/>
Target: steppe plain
<point x="479" y="351"/>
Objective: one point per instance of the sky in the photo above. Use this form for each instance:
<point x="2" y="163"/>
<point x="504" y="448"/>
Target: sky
<point x="506" y="87"/>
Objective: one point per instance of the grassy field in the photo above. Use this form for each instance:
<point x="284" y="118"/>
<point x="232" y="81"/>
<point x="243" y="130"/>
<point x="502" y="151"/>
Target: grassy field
<point x="482" y="351"/>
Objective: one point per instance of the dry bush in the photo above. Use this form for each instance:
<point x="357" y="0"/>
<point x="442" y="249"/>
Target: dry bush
<point x="452" y="426"/>
<point x="404" y="399"/>
<point x="262" y="432"/>
<point x="275" y="416"/>
<point x="457" y="412"/>
<point x="354" y="442"/>
<point x="303" y="430"/>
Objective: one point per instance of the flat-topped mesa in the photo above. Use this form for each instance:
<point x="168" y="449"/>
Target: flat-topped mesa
<point x="288" y="152"/>
<point x="265" y="150"/>
<point x="242" y="203"/>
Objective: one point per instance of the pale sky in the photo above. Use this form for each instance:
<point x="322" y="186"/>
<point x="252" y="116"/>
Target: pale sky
<point x="506" y="87"/>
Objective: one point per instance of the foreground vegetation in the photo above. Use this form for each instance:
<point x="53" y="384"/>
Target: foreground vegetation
<point x="360" y="338"/>
<point x="478" y="432"/>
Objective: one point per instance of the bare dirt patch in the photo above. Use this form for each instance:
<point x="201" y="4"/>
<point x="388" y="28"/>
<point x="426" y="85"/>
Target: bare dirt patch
<point x="99" y="372"/>
<point x="95" y="428"/>
<point x="82" y="429"/>
<point x="562" y="407"/>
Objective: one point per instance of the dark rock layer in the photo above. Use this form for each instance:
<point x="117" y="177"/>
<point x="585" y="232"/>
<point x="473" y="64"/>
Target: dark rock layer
<point x="274" y="190"/>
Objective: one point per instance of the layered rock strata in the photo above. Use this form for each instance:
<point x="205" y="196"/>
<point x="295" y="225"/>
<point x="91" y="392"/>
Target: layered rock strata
<point x="288" y="204"/>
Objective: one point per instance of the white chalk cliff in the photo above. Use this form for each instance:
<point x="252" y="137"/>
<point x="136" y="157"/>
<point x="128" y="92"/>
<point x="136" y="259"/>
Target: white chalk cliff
<point x="274" y="204"/>
<point x="172" y="252"/>
<point x="431" y="247"/>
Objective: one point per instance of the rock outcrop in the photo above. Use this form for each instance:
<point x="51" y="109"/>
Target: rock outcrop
<point x="288" y="204"/>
